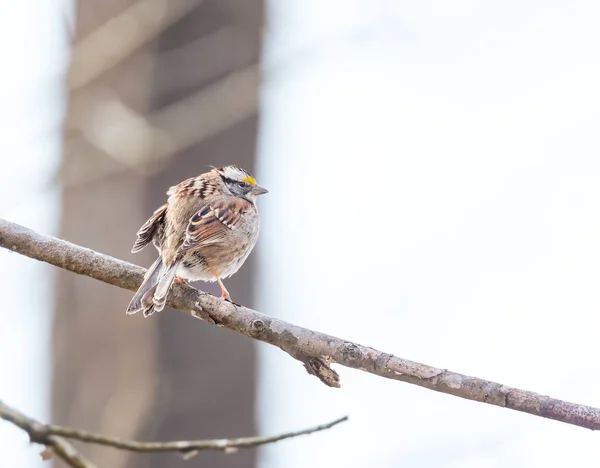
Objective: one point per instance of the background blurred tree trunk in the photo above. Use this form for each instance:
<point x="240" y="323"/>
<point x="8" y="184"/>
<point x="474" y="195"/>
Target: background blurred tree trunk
<point x="158" y="91"/>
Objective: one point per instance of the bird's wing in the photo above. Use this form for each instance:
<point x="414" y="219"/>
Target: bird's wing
<point x="146" y="232"/>
<point x="211" y="224"/>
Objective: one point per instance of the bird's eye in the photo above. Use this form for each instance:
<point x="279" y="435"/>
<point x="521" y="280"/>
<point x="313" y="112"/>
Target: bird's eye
<point x="242" y="184"/>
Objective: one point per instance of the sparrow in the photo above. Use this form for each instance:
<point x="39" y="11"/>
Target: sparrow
<point x="205" y="231"/>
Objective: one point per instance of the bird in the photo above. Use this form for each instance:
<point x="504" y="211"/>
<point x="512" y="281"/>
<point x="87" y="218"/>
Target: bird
<point x="205" y="231"/>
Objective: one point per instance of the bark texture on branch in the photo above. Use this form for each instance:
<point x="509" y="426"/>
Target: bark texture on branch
<point x="315" y="350"/>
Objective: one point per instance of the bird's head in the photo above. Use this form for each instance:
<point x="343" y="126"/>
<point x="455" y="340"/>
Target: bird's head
<point x="239" y="183"/>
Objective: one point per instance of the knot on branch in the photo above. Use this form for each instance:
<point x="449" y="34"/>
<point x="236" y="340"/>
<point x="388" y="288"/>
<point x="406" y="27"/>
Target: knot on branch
<point x="350" y="352"/>
<point x="258" y="325"/>
<point x="38" y="433"/>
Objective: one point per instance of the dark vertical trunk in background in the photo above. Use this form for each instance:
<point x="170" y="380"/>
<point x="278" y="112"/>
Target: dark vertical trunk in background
<point x="170" y="376"/>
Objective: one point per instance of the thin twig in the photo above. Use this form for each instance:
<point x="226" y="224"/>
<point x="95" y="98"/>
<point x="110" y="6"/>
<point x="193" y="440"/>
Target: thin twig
<point x="183" y="446"/>
<point x="38" y="434"/>
<point x="43" y="433"/>
<point x="315" y="350"/>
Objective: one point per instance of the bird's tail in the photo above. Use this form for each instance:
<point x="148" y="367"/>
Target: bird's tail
<point x="143" y="298"/>
<point x="163" y="287"/>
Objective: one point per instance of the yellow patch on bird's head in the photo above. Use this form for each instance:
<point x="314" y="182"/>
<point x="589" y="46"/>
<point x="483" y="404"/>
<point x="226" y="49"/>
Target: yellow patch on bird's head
<point x="251" y="180"/>
<point x="233" y="174"/>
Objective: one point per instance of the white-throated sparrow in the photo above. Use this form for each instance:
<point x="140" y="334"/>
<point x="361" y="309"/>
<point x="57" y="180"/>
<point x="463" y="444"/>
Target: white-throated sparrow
<point x="205" y="231"/>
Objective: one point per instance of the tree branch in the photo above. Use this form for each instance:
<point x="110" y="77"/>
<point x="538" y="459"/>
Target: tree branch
<point x="48" y="434"/>
<point x="40" y="435"/>
<point x="315" y="350"/>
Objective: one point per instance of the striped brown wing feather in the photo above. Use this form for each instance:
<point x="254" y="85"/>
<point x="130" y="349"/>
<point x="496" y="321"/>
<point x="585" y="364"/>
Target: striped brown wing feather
<point x="211" y="224"/>
<point x="147" y="231"/>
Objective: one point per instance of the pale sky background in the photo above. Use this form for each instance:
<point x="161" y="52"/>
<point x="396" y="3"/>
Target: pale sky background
<point x="434" y="171"/>
<point x="33" y="54"/>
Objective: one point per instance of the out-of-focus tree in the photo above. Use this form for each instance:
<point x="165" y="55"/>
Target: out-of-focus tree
<point x="159" y="90"/>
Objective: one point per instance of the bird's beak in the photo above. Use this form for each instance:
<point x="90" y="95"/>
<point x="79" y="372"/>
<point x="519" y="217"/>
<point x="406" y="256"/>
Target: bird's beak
<point x="258" y="190"/>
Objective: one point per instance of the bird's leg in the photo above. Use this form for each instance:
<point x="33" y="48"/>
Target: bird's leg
<point x="224" y="293"/>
